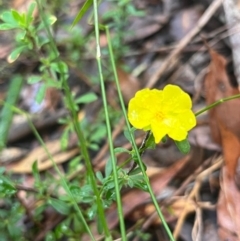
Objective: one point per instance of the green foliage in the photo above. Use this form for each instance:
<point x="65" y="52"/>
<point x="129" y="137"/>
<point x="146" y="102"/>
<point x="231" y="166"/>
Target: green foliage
<point x="12" y="217"/>
<point x="86" y="98"/>
<point x="7" y="187"/>
<point x="7" y="113"/>
<point x="30" y="41"/>
<point x="183" y="146"/>
<point x="82" y="11"/>
<point x="118" y="20"/>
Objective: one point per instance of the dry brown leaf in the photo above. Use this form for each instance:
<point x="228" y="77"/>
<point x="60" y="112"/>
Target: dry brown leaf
<point x="228" y="209"/>
<point x="39" y="155"/>
<point x="185" y="20"/>
<point x="129" y="86"/>
<point x="143" y="27"/>
<point x="128" y="83"/>
<point x="224" y="118"/>
<point x="170" y="213"/>
<point x="225" y="127"/>
<point x="12" y="154"/>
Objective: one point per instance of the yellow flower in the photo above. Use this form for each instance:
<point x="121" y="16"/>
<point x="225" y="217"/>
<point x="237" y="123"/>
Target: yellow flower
<point x="164" y="112"/>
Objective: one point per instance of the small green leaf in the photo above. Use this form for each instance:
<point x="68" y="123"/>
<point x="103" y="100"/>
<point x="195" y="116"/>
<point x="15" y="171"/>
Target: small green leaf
<point x="41" y="94"/>
<point x="36" y="172"/>
<point x="59" y="205"/>
<point x="128" y="135"/>
<point x="6" y="26"/>
<point x="121" y="150"/>
<point x="6" y="186"/>
<point x="29" y="18"/>
<point x="81" y="12"/>
<point x="7" y="17"/>
<point x="59" y="67"/>
<point x="164" y="139"/>
<point x="99" y="176"/>
<point x="98" y="133"/>
<point x="7" y="112"/>
<point x="135" y="171"/>
<point x="53" y="83"/>
<point x="183" y="146"/>
<point x="51" y="20"/>
<point x="15" y="53"/>
<point x="64" y="139"/>
<point x="108" y="168"/>
<point x="94" y="146"/>
<point x="75" y="190"/>
<point x="34" y="79"/>
<point x="150" y="142"/>
<point x="20" y="19"/>
<point x="87" y="98"/>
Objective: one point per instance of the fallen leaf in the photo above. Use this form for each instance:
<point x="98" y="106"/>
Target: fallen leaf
<point x="170" y="213"/>
<point x="224" y="118"/>
<point x="143" y="27"/>
<point x="38" y="154"/>
<point x="225" y="127"/>
<point x="12" y="154"/>
<point x="129" y="85"/>
<point x="228" y="209"/>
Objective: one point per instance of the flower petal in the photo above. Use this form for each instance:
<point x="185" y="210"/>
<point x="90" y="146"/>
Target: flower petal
<point x="159" y="130"/>
<point x="175" y="98"/>
<point x="138" y="113"/>
<point x="187" y="119"/>
<point x="178" y="133"/>
<point x="184" y="122"/>
<point x="141" y="108"/>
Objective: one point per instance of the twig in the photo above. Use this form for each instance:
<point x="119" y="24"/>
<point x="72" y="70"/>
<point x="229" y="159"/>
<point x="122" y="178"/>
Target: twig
<point x="183" y="43"/>
<point x="194" y="194"/>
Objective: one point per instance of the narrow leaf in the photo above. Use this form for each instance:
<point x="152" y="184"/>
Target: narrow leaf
<point x="15" y="54"/>
<point x="7" y="114"/>
<point x="6" y="186"/>
<point x="59" y="205"/>
<point x="82" y="11"/>
<point x="34" y="79"/>
<point x="7" y="26"/>
<point x="30" y="13"/>
<point x="19" y="19"/>
<point x="121" y="150"/>
<point x="87" y="98"/>
<point x="7" y="17"/>
<point x="41" y="94"/>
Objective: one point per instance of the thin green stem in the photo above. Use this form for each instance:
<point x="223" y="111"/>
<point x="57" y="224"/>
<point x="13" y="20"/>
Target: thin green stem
<point x="133" y="141"/>
<point x="107" y="119"/>
<point x="216" y="103"/>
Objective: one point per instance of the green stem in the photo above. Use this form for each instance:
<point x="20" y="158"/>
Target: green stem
<point x="133" y="141"/>
<point x="217" y="103"/>
<point x="111" y="147"/>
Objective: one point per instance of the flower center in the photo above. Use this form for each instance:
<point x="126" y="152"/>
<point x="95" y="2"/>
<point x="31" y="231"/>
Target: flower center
<point x="159" y="116"/>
